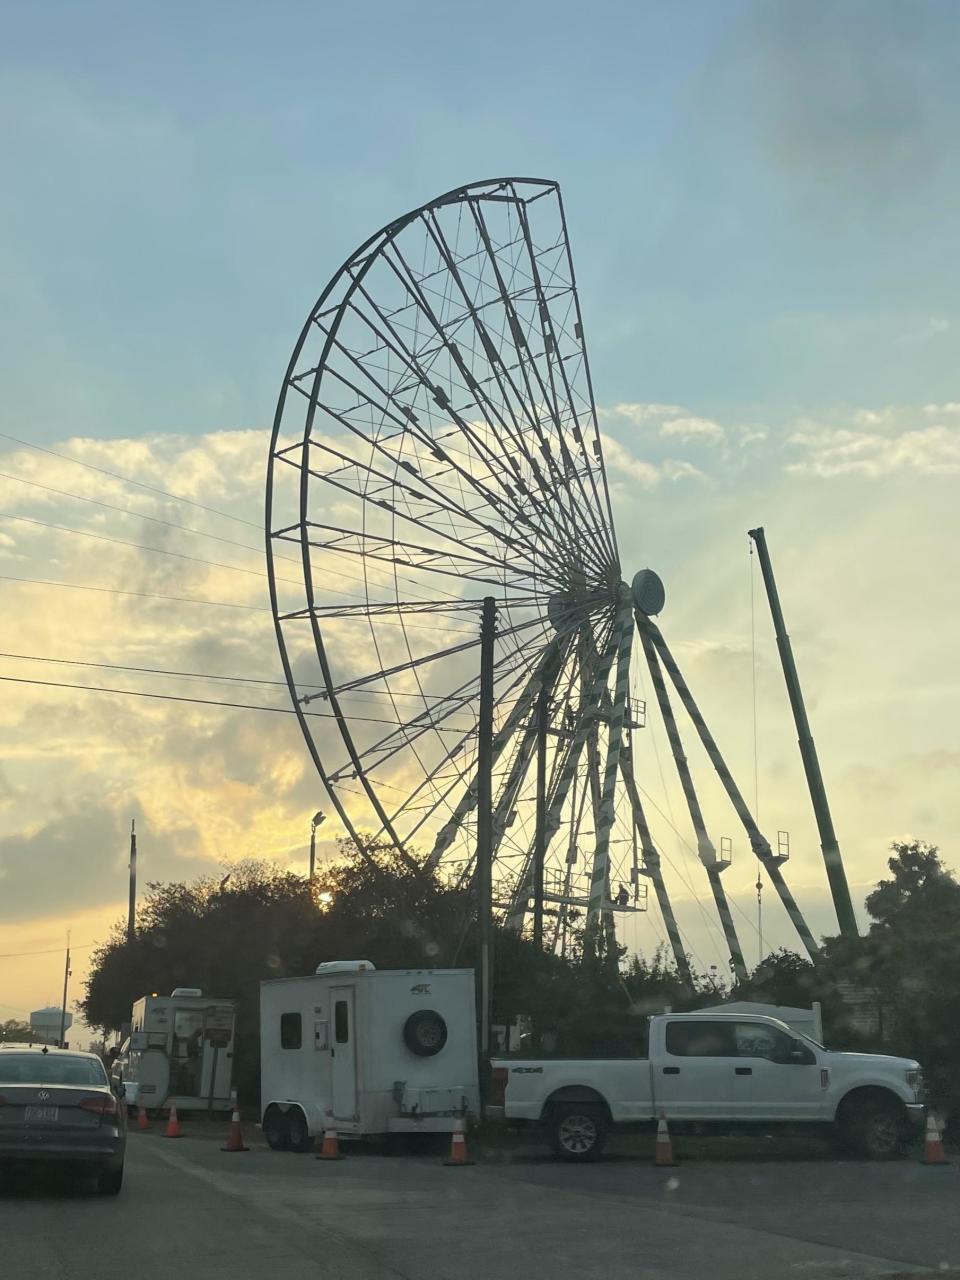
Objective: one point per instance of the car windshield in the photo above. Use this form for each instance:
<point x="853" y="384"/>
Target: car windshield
<point x="43" y="1068"/>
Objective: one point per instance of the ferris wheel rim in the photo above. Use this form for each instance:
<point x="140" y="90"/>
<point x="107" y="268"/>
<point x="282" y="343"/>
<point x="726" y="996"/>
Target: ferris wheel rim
<point x="600" y="509"/>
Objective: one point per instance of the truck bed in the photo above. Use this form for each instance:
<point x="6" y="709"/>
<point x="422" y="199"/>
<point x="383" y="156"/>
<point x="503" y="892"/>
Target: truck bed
<point x="530" y="1084"/>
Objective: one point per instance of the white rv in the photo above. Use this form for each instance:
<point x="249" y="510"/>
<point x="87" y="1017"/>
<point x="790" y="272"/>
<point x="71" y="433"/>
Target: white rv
<point x="180" y="1051"/>
<point x="393" y="1051"/>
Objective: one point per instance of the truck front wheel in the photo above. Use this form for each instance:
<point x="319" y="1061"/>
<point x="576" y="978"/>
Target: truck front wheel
<point x="578" y="1131"/>
<point x="873" y="1128"/>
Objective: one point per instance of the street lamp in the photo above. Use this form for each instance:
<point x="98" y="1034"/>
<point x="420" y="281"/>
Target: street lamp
<point x="315" y="822"/>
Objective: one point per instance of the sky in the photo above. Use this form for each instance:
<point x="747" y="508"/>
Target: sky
<point x="763" y="214"/>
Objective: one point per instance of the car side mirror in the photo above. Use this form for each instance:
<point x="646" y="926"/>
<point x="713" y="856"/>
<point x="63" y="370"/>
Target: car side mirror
<point x="801" y="1054"/>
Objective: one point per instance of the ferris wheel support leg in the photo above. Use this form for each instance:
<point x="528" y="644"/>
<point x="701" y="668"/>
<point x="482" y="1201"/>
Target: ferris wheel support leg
<point x="592" y="691"/>
<point x="652" y="869"/>
<point x="705" y="846"/>
<point x="758" y="842"/>
<point x="600" y="880"/>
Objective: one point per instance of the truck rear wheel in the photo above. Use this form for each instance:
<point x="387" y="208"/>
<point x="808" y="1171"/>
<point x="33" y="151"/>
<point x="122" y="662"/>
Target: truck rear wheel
<point x="578" y="1131"/>
<point x="275" y="1130"/>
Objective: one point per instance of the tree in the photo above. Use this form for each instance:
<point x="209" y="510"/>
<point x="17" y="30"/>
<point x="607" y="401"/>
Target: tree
<point x="911" y="957"/>
<point x="15" y="1030"/>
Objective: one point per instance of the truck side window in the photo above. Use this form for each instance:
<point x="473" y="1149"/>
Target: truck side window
<point x="701" y="1040"/>
<point x="291" y="1032"/>
<point x="341" y="1022"/>
<point x="754" y="1040"/>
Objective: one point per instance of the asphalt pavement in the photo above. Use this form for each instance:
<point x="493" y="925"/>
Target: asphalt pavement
<point x="186" y="1206"/>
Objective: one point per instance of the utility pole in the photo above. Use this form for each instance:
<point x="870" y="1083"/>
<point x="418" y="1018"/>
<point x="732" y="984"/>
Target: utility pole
<point x="63" y="1007"/>
<point x="808" y="752"/>
<point x="488" y="632"/>
<point x="540" y="837"/>
<point x="132" y="908"/>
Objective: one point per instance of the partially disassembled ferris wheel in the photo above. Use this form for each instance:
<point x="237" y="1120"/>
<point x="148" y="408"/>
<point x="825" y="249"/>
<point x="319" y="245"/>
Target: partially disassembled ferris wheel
<point x="436" y="442"/>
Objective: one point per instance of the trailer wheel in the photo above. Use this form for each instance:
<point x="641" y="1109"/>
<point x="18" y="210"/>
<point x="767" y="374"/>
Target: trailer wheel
<point x="578" y="1131"/>
<point x="299" y="1137"/>
<point x="275" y="1130"/>
<point x="425" y="1033"/>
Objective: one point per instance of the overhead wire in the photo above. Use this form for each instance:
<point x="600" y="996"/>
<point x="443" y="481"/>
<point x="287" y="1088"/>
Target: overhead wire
<point x="141" y="484"/>
<point x="206" y="702"/>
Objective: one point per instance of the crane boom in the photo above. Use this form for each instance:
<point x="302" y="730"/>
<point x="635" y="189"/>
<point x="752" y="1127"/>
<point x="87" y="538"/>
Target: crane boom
<point x="808" y="752"/>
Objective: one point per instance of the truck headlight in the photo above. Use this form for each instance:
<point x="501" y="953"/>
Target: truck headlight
<point x="915" y="1079"/>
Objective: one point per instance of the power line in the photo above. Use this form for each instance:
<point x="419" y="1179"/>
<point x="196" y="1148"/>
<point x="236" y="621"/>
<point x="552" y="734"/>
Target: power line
<point x="18" y="955"/>
<point x="138" y="546"/>
<point x="145" y="595"/>
<point x="214" y="702"/>
<point x="209" y="676"/>
<point x="141" y="515"/>
<point x="141" y="484"/>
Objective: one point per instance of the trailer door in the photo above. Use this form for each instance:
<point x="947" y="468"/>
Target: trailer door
<point x="344" y="1054"/>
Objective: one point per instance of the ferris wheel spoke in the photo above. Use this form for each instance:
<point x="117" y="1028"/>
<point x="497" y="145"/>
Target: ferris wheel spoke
<point x="502" y="502"/>
<point x="504" y="416"/>
<point x="557" y="366"/>
<point x="520" y="709"/>
<point x="443" y="780"/>
<point x="516" y="327"/>
<point x="338" y="479"/>
<point x="471" y="384"/>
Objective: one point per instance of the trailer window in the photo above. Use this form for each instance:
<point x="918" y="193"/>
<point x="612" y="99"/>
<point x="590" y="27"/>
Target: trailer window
<point x="291" y="1032"/>
<point x="341" y="1022"/>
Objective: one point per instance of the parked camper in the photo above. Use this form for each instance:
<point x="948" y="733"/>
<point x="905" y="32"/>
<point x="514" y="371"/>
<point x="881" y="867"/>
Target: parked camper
<point x="180" y="1051"/>
<point x="392" y="1051"/>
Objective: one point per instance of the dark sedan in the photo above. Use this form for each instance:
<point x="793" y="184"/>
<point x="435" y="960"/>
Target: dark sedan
<point x="58" y="1106"/>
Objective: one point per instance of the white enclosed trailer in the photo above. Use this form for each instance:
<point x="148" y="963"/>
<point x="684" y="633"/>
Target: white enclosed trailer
<point x="180" y="1051"/>
<point x="389" y="1051"/>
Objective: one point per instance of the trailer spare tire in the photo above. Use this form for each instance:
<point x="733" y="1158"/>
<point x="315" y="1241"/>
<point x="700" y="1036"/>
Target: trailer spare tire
<point x="425" y="1033"/>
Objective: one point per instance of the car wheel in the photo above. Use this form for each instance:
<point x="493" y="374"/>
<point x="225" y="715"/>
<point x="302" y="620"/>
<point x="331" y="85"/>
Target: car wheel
<point x="110" y="1181"/>
<point x="874" y="1130"/>
<point x="299" y="1137"/>
<point x="578" y="1131"/>
<point x="275" y="1130"/>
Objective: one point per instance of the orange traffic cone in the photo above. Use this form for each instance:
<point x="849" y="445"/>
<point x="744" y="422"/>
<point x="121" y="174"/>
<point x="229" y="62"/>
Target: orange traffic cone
<point x="173" y="1124"/>
<point x="663" y="1151"/>
<point x="235" y="1141"/>
<point x="458" y="1143"/>
<point x="330" y="1149"/>
<point x="933" y="1152"/>
<point x="142" y="1121"/>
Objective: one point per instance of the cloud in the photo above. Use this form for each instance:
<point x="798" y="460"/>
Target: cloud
<point x="638" y="413"/>
<point x="621" y="462"/>
<point x="879" y="443"/>
<point x="693" y="429"/>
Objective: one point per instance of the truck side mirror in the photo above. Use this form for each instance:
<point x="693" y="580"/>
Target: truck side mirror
<point x="801" y="1054"/>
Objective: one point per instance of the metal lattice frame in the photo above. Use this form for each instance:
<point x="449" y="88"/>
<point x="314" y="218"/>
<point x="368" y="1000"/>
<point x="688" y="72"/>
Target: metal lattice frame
<point x="435" y="442"/>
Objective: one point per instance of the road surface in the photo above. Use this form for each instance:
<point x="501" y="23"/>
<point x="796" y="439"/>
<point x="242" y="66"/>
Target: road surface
<point x="189" y="1209"/>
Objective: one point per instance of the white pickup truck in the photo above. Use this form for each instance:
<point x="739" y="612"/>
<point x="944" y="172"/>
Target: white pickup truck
<point x="716" y="1069"/>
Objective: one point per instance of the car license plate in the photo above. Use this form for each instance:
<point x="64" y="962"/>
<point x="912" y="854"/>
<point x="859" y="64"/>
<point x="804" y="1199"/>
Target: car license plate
<point x="41" y="1115"/>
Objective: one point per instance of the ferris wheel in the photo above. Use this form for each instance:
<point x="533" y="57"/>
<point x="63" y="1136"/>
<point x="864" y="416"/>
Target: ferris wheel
<point x="436" y="443"/>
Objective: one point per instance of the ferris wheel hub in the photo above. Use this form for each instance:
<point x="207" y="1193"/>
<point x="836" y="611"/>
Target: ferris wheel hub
<point x="649" y="595"/>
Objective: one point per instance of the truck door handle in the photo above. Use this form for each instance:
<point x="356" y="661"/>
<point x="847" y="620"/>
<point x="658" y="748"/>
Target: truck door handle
<point x="743" y="1071"/>
<point x="671" y="1071"/>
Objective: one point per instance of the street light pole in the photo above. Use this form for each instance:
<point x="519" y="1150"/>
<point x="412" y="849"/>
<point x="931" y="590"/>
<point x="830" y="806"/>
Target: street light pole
<point x="315" y="822"/>
<point x="132" y="908"/>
